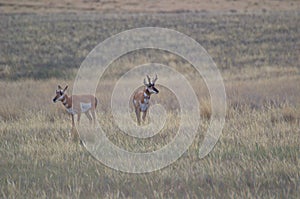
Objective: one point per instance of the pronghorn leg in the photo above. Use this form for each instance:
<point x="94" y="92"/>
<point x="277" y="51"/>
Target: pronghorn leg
<point x="73" y="130"/>
<point x="144" y="115"/>
<point x="73" y="123"/>
<point x="78" y="118"/>
<point x="138" y="117"/>
<point x="94" y="116"/>
<point x="88" y="115"/>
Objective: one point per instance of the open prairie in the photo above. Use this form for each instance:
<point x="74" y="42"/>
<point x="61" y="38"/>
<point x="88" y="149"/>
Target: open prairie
<point x="257" y="155"/>
<point x="142" y="6"/>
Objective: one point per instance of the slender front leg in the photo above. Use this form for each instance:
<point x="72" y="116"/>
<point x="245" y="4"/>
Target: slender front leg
<point x="138" y="117"/>
<point x="78" y="118"/>
<point x="73" y="123"/>
<point x="73" y="130"/>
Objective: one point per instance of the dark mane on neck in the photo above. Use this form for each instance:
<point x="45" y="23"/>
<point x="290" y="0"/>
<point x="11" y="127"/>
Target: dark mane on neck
<point x="147" y="92"/>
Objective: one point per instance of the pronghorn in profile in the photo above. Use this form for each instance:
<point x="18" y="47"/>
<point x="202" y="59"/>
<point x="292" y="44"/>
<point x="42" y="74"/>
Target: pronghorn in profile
<point x="77" y="104"/>
<point x="141" y="99"/>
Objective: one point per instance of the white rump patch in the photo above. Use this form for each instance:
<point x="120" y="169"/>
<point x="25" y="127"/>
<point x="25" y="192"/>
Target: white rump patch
<point x="85" y="107"/>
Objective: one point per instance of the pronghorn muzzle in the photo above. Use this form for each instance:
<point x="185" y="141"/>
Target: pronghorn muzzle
<point x="155" y="90"/>
<point x="58" y="98"/>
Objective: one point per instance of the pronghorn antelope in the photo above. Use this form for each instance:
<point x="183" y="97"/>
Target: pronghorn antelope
<point x="77" y="104"/>
<point x="141" y="98"/>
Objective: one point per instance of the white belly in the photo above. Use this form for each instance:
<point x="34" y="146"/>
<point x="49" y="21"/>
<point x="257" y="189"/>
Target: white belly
<point x="144" y="106"/>
<point x="84" y="107"/>
<point x="71" y="111"/>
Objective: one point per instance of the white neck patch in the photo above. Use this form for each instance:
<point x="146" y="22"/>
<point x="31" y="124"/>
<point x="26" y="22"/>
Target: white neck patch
<point x="61" y="97"/>
<point x="145" y="95"/>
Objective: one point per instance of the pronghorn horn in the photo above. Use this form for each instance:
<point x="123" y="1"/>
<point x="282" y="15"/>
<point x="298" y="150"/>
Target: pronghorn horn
<point x="66" y="88"/>
<point x="149" y="80"/>
<point x="155" y="79"/>
<point x="145" y="82"/>
<point x="59" y="87"/>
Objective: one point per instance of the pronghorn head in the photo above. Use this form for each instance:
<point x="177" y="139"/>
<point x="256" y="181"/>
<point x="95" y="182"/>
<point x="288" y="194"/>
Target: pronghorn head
<point x="151" y="85"/>
<point x="60" y="94"/>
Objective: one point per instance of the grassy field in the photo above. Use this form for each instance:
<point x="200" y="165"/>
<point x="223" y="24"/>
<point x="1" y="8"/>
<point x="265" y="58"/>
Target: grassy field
<point x="257" y="155"/>
<point x="142" y="6"/>
<point x="53" y="45"/>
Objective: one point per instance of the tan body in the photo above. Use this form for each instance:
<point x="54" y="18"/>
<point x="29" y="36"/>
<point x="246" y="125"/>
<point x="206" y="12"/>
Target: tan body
<point x="141" y="99"/>
<point x="77" y="104"/>
<point x="141" y="104"/>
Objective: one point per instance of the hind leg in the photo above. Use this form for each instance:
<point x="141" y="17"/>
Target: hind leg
<point x="94" y="116"/>
<point x="78" y="118"/>
<point x="144" y="115"/>
<point x="88" y="115"/>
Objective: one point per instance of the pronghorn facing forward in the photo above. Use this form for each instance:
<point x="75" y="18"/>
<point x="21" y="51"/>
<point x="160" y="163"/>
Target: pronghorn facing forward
<point x="141" y="98"/>
<point x="77" y="104"/>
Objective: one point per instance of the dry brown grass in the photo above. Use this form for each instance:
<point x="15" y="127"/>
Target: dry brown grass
<point x="256" y="156"/>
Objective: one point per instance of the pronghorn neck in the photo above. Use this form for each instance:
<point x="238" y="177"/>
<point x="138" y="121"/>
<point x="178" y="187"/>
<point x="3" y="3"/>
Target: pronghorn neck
<point x="67" y="101"/>
<point x="147" y="93"/>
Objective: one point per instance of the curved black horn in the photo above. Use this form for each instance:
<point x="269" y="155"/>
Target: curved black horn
<point x="149" y="80"/>
<point x="145" y="82"/>
<point x="155" y="79"/>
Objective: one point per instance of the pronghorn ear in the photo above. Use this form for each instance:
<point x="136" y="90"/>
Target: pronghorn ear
<point x="59" y="87"/>
<point x="66" y="88"/>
